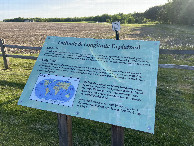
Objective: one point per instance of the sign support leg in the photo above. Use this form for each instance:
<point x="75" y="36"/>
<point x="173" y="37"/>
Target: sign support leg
<point x="65" y="130"/>
<point x="117" y="136"/>
<point x="117" y="131"/>
<point x="117" y="35"/>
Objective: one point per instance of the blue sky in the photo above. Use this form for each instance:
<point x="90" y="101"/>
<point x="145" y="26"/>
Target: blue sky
<point x="71" y="8"/>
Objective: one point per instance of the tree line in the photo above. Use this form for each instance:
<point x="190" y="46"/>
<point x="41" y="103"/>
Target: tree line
<point x="123" y="18"/>
<point x="173" y="12"/>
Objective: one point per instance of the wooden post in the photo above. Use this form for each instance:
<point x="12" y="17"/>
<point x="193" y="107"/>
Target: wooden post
<point x="117" y="35"/>
<point x="65" y="130"/>
<point x="117" y="136"/>
<point x="117" y="131"/>
<point x="3" y="53"/>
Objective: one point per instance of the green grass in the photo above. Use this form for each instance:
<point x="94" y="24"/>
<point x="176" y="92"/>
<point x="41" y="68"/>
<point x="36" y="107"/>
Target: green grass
<point x="26" y="126"/>
<point x="170" y="36"/>
<point x="179" y="28"/>
<point x="139" y="25"/>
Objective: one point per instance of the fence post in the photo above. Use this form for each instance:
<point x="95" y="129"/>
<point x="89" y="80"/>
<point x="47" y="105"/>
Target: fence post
<point x="117" y="131"/>
<point x="65" y="130"/>
<point x="3" y="53"/>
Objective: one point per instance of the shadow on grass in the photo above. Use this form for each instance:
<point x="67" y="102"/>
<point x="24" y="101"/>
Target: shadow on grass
<point x="27" y="126"/>
<point x="37" y="126"/>
<point x="12" y="84"/>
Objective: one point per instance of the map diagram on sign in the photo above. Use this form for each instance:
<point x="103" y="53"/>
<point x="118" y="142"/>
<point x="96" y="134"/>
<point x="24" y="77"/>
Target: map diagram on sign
<point x="55" y="89"/>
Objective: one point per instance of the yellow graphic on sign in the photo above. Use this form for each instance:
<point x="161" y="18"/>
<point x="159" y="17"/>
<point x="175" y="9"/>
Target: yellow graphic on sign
<point x="64" y="85"/>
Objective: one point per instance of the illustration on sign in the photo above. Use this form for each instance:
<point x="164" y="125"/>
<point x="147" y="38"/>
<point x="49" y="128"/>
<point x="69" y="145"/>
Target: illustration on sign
<point x="110" y="81"/>
<point x="55" y="89"/>
<point x="116" y="26"/>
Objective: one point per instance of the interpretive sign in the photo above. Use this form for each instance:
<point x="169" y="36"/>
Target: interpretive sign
<point x="110" y="81"/>
<point x="116" y="26"/>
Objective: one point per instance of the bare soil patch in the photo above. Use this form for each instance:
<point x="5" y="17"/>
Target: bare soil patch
<point x="34" y="34"/>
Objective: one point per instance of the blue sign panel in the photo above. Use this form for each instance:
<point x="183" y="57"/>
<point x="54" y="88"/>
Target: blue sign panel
<point x="110" y="81"/>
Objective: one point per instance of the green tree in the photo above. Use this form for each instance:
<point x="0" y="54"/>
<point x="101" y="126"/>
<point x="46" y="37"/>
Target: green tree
<point x="187" y="13"/>
<point x="116" y="17"/>
<point x="181" y="11"/>
<point x="153" y="13"/>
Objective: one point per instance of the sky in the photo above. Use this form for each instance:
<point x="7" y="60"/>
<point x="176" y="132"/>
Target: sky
<point x="72" y="8"/>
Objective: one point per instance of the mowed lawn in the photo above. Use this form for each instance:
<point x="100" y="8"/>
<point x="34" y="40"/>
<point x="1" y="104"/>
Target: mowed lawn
<point x="174" y="102"/>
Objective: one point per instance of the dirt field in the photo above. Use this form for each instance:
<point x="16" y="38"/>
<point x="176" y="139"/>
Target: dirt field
<point x="34" y="34"/>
